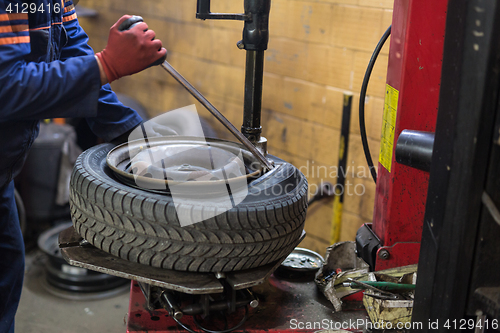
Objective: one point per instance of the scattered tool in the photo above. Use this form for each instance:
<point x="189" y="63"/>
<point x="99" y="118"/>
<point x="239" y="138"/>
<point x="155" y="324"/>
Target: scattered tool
<point x="386" y="286"/>
<point x="387" y="294"/>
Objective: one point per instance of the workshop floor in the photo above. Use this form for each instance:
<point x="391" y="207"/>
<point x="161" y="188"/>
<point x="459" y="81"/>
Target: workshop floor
<point x="40" y="311"/>
<point x="285" y="300"/>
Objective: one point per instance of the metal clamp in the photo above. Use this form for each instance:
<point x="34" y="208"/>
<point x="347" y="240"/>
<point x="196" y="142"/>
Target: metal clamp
<point x="203" y="13"/>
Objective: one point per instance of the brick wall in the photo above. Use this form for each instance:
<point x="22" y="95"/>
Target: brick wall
<point x="318" y="50"/>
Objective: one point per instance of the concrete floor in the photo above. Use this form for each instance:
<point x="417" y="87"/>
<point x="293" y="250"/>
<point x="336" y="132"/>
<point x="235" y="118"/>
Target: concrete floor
<point x="40" y="311"/>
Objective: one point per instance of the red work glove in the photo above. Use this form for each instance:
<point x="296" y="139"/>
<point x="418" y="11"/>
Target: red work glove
<point x="129" y="51"/>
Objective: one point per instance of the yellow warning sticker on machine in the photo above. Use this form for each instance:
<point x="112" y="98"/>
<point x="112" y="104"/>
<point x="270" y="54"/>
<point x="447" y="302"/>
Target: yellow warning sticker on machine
<point x="389" y="127"/>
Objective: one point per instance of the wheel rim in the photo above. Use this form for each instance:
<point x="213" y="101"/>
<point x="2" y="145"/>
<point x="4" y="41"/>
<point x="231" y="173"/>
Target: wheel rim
<point x="194" y="163"/>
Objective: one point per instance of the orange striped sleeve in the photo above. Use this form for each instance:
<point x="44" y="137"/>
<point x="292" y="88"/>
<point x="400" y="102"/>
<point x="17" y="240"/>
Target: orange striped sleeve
<point x="41" y="28"/>
<point x="69" y="8"/>
<point x="13" y="17"/>
<point x="69" y="18"/>
<point x="14" y="28"/>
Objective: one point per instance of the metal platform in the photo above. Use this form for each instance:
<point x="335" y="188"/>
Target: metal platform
<point x="78" y="252"/>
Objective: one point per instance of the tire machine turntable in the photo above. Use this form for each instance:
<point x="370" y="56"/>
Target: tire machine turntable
<point x="160" y="300"/>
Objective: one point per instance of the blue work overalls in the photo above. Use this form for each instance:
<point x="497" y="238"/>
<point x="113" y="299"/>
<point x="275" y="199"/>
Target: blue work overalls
<point x="47" y="70"/>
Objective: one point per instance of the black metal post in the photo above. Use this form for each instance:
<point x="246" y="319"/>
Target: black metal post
<point x="203" y="13"/>
<point x="254" y="77"/>
<point x="255" y="41"/>
<point x="342" y="170"/>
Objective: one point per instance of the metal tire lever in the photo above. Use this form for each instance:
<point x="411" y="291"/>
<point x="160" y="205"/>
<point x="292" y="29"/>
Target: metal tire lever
<point x="127" y="24"/>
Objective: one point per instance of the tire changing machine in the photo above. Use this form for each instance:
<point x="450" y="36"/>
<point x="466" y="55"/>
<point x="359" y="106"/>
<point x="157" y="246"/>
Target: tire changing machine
<point x="160" y="299"/>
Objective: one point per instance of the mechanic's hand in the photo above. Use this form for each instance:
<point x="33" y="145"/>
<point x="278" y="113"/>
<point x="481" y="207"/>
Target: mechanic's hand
<point x="129" y="51"/>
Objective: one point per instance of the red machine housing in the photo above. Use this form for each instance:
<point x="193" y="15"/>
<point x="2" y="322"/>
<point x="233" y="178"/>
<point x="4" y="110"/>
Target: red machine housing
<point x="286" y="307"/>
<point x="414" y="70"/>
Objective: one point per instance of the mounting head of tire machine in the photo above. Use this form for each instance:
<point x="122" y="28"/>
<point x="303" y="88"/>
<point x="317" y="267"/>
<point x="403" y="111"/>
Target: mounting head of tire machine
<point x="255" y="41"/>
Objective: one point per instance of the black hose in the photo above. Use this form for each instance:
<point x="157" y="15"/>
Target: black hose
<point x="187" y="328"/>
<point x="226" y="330"/>
<point x="362" y="97"/>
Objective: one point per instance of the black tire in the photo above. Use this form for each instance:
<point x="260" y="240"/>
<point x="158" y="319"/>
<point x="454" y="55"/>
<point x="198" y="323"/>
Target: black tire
<point x="143" y="227"/>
